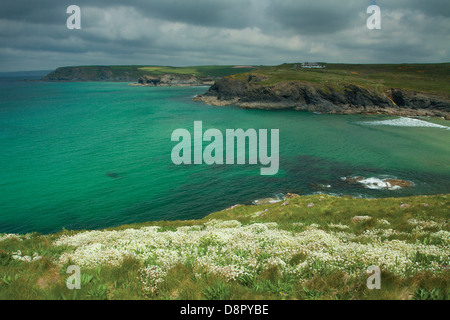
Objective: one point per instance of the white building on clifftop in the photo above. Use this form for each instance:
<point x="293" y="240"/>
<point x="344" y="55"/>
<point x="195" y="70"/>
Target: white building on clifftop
<point x="314" y="65"/>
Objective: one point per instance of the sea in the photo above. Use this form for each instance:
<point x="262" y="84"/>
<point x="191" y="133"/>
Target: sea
<point x="93" y="155"/>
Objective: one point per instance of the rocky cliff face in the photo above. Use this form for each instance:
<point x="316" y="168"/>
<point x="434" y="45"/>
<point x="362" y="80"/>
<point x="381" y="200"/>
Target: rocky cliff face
<point x="170" y="80"/>
<point x="96" y="73"/>
<point x="345" y="99"/>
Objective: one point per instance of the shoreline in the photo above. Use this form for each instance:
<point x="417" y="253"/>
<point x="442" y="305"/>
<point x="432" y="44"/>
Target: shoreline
<point x="249" y="204"/>
<point x="341" y="110"/>
<point x="133" y="84"/>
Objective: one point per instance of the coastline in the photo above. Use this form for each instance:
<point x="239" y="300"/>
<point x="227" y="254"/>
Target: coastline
<point x="343" y="110"/>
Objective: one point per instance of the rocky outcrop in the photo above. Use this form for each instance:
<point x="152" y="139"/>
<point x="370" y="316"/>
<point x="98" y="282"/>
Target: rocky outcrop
<point x="170" y="80"/>
<point x="380" y="184"/>
<point x="343" y="98"/>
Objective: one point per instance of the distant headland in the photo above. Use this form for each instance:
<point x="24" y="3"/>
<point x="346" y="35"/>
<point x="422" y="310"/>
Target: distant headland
<point x="146" y="75"/>
<point x="393" y="89"/>
<point x="403" y="89"/>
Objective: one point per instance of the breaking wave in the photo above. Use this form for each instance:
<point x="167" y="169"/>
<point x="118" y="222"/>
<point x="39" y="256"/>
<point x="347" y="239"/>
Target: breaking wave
<point x="375" y="183"/>
<point x="405" y="122"/>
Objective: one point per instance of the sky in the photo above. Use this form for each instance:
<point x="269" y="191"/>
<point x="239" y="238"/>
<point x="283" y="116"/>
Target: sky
<point x="34" y="34"/>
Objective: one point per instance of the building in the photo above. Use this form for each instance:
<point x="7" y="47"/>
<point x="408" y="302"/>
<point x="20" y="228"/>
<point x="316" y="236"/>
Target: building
<point x="311" y="65"/>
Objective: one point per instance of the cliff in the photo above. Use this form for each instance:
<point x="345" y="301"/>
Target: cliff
<point x="262" y="90"/>
<point x="96" y="73"/>
<point x="146" y="75"/>
<point x="173" y="80"/>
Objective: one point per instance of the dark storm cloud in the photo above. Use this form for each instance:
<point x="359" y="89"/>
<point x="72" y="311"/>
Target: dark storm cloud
<point x="33" y="34"/>
<point x="42" y="11"/>
<point x="314" y="17"/>
<point x="432" y="8"/>
<point x="229" y="13"/>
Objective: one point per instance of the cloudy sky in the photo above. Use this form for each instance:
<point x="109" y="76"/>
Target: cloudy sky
<point x="34" y="36"/>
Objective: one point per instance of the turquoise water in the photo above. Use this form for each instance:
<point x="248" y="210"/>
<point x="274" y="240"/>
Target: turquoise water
<point x="95" y="155"/>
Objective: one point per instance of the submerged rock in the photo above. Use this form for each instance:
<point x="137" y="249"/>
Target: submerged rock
<point x="352" y="179"/>
<point x="380" y="184"/>
<point x="113" y="175"/>
<point x="399" y="183"/>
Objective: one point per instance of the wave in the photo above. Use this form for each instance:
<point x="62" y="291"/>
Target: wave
<point x="340" y="194"/>
<point x="405" y="122"/>
<point x="382" y="183"/>
<point x="277" y="198"/>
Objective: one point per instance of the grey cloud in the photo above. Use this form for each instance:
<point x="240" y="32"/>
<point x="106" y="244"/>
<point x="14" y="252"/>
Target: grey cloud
<point x="431" y="7"/>
<point x="33" y="34"/>
<point x="314" y="17"/>
<point x="229" y="13"/>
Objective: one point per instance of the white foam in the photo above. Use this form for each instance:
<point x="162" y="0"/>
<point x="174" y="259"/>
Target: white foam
<point x="266" y="201"/>
<point x="374" y="183"/>
<point x="377" y="184"/>
<point x="405" y="122"/>
<point x="278" y="198"/>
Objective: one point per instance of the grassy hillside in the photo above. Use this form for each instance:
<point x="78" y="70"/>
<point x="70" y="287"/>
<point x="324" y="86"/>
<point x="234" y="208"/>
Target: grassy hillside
<point x="425" y="78"/>
<point x="199" y="71"/>
<point x="133" y="73"/>
<point x="308" y="247"/>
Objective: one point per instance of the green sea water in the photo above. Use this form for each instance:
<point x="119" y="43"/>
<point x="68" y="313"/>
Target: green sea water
<point x="96" y="155"/>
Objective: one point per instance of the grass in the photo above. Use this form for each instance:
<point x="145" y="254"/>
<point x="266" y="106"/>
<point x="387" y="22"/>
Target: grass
<point x="96" y="73"/>
<point x="423" y="223"/>
<point x="199" y="71"/>
<point x="431" y="79"/>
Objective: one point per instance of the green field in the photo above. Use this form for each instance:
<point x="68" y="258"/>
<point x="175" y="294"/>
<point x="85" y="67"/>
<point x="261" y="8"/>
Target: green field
<point x="199" y="71"/>
<point x="308" y="247"/>
<point x="425" y="78"/>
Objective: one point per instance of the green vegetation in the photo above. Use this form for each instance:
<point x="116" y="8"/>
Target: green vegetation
<point x="308" y="247"/>
<point x="133" y="73"/>
<point x="425" y="78"/>
<point x="431" y="79"/>
<point x="95" y="73"/>
<point x="199" y="71"/>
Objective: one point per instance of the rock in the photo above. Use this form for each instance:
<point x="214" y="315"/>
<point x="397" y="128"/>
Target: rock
<point x="399" y="183"/>
<point x="149" y="80"/>
<point x="377" y="183"/>
<point x="292" y="196"/>
<point x="361" y="218"/>
<point x="170" y="80"/>
<point x="353" y="179"/>
<point x="112" y="175"/>
<point x="297" y="95"/>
